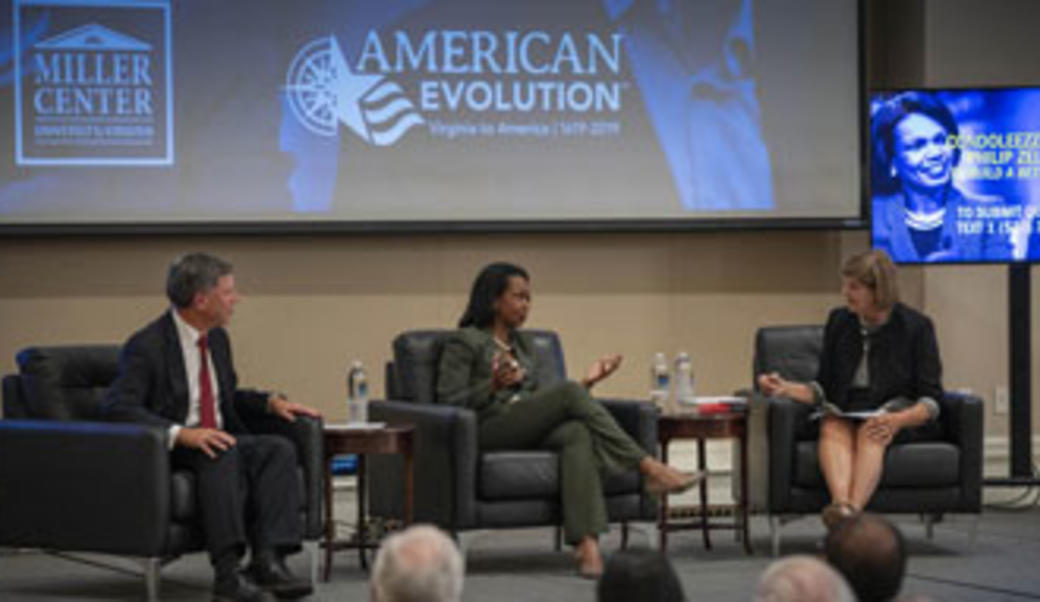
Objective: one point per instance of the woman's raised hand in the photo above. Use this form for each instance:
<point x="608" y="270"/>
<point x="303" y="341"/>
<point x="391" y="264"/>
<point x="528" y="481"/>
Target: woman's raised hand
<point x="505" y="371"/>
<point x="601" y="368"/>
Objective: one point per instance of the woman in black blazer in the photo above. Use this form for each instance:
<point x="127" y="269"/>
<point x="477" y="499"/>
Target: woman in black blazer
<point x="880" y="362"/>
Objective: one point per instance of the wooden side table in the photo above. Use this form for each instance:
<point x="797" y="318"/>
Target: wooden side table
<point x="702" y="427"/>
<point x="340" y="440"/>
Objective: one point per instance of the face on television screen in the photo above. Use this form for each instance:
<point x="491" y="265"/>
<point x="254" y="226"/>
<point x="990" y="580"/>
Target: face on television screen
<point x="955" y="175"/>
<point x="428" y="111"/>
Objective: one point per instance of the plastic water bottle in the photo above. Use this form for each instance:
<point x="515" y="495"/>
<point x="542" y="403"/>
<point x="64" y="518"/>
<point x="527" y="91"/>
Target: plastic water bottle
<point x="357" y="393"/>
<point x="659" y="381"/>
<point x="683" y="378"/>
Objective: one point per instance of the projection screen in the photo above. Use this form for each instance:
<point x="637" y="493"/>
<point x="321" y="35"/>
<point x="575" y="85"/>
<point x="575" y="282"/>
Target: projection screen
<point x="431" y="114"/>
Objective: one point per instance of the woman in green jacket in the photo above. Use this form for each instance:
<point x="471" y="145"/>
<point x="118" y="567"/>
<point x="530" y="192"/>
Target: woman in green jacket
<point x="489" y="367"/>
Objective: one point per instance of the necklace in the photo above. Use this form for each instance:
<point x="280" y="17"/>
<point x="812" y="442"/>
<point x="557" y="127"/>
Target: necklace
<point x="501" y="344"/>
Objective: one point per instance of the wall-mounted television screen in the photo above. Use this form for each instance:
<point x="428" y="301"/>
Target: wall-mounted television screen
<point x="387" y="113"/>
<point x="955" y="174"/>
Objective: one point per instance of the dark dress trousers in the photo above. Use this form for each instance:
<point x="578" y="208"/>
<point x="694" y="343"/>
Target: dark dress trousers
<point x="251" y="491"/>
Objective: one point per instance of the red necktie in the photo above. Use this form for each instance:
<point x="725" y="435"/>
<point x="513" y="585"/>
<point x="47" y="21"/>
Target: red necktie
<point x="207" y="408"/>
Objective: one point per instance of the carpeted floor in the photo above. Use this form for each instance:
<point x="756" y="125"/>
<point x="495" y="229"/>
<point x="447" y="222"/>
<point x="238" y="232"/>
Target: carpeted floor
<point x="518" y="565"/>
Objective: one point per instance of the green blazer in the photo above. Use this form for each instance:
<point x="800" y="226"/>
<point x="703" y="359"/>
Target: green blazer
<point x="464" y="374"/>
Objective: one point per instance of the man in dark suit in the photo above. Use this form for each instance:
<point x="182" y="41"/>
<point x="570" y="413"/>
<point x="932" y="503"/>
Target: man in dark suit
<point x="177" y="373"/>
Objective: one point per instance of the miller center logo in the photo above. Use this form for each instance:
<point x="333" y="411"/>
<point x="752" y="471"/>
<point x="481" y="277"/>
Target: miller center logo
<point x="88" y="93"/>
<point x="323" y="92"/>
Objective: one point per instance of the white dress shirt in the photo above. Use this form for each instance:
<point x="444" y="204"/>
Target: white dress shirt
<point x="189" y="337"/>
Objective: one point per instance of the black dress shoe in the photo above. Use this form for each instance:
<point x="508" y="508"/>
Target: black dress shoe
<point x="239" y="589"/>
<point x="276" y="578"/>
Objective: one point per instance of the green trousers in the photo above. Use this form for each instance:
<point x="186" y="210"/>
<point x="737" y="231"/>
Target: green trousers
<point x="564" y="417"/>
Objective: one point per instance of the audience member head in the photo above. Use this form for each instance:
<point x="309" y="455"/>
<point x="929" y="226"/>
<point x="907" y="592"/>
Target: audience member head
<point x="644" y="575"/>
<point x="802" y="578"/>
<point x="419" y="564"/>
<point x="202" y="288"/>
<point x="869" y="551"/>
<point x="490" y="284"/>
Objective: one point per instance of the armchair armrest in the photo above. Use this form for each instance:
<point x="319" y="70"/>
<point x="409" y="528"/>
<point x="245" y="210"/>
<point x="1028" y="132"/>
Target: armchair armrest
<point x="788" y="420"/>
<point x="306" y="435"/>
<point x="84" y="486"/>
<point x="962" y="420"/>
<point x="445" y="448"/>
<point x="774" y="424"/>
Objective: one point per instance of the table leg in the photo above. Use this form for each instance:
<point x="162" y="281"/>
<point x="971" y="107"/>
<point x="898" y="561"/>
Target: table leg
<point x="744" y="491"/>
<point x="702" y="465"/>
<point x="662" y="510"/>
<point x="409" y="484"/>
<point x="330" y="525"/>
<point x="362" y="526"/>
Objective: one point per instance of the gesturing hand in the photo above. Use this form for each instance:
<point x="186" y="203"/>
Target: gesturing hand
<point x="601" y="368"/>
<point x="210" y="441"/>
<point x="771" y="383"/>
<point x="505" y="371"/>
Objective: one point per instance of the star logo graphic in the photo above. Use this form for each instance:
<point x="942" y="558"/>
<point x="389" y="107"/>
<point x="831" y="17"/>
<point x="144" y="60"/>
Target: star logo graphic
<point x="324" y="92"/>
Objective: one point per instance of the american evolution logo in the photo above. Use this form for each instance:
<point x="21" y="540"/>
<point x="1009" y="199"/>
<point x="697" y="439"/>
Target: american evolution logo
<point x="512" y="73"/>
<point x="93" y="82"/>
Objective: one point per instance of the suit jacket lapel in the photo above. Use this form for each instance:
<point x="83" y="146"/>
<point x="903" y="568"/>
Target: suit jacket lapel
<point x="178" y="375"/>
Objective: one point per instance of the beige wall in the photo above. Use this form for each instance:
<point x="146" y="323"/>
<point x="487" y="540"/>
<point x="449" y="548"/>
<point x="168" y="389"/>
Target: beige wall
<point x="313" y="303"/>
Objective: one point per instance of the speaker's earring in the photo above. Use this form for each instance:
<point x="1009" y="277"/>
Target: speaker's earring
<point x="892" y="171"/>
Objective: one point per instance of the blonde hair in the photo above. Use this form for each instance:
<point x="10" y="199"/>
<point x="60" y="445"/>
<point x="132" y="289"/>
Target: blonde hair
<point x="874" y="269"/>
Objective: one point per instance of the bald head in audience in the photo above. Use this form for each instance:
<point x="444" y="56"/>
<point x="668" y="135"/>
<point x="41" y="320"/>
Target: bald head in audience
<point x="869" y="551"/>
<point x="419" y="564"/>
<point x="802" y="578"/>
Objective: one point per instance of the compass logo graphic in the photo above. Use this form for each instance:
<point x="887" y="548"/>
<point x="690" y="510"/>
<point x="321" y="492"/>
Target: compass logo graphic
<point x="323" y="92"/>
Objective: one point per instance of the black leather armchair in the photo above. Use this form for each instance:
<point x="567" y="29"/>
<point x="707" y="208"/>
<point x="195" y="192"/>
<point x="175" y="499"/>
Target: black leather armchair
<point x="930" y="477"/>
<point x="71" y="483"/>
<point x="457" y="487"/>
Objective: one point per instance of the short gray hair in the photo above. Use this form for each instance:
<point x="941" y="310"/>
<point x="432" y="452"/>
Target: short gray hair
<point x="193" y="273"/>
<point x="419" y="564"/>
<point x="802" y="578"/>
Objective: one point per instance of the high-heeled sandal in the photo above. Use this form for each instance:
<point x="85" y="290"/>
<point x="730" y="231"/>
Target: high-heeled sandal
<point x="658" y="487"/>
<point x="836" y="512"/>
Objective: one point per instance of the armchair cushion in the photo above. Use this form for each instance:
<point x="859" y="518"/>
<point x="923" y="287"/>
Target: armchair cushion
<point x="182" y="496"/>
<point x="928" y="464"/>
<point x="532" y="474"/>
<point x="518" y="475"/>
<point x="67" y="383"/>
